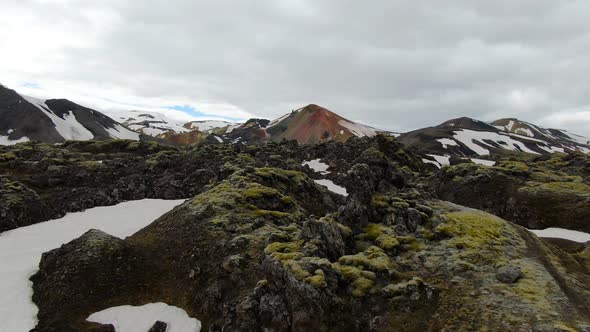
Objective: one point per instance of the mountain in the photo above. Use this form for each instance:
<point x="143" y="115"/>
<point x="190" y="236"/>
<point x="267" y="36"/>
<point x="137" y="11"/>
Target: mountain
<point x="149" y="123"/>
<point x="556" y="136"/>
<point x="212" y="126"/>
<point x="311" y="124"/>
<point x="24" y="118"/>
<point x="314" y="124"/>
<point x="466" y="137"/>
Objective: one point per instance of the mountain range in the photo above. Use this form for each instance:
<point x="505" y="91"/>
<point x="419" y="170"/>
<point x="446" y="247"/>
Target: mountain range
<point x="25" y="118"/>
<point x="331" y="225"/>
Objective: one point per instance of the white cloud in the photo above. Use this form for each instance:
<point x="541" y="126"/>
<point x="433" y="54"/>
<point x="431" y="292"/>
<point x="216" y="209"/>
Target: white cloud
<point x="397" y="64"/>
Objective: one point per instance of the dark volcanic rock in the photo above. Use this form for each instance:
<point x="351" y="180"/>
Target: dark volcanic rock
<point x="509" y="274"/>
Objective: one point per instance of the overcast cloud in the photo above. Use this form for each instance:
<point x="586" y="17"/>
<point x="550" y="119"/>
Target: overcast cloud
<point x="397" y="65"/>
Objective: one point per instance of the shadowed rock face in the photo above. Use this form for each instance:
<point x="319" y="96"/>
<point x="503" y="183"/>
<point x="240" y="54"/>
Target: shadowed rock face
<point x="266" y="248"/>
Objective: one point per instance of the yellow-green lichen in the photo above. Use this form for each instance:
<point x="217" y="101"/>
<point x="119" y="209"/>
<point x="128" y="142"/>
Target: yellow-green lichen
<point x="374" y="259"/>
<point x="283" y="247"/>
<point x="318" y="280"/>
<point x="361" y="286"/>
<point x="472" y="229"/>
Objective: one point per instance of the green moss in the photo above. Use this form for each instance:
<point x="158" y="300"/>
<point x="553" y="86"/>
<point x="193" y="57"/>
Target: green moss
<point x="387" y="242"/>
<point x="256" y="191"/>
<point x="269" y="213"/>
<point x="286" y="256"/>
<point x="245" y="159"/>
<point x="472" y="229"/>
<point x="513" y="165"/>
<point x="4" y="157"/>
<point x="374" y="259"/>
<point x="373" y="231"/>
<point x="296" y="269"/>
<point x="361" y="286"/>
<point x="380" y="201"/>
<point x="283" y="247"/>
<point x="410" y="243"/>
<point x="348" y="272"/>
<point x="544" y="175"/>
<point x="561" y="187"/>
<point x="318" y="280"/>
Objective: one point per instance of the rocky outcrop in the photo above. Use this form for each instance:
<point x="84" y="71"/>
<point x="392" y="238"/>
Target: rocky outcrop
<point x="245" y="256"/>
<point x="540" y="193"/>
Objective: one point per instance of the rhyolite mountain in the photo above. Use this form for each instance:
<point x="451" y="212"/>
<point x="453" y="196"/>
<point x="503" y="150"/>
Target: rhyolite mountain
<point x="24" y="118"/>
<point x="261" y="245"/>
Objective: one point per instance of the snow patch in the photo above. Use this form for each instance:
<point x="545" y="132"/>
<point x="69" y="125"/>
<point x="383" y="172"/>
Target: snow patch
<point x="4" y="140"/>
<point x="218" y="139"/>
<point x="332" y="187"/>
<point x="442" y="160"/>
<point x="141" y="318"/>
<point x="562" y="233"/>
<point x="10" y="131"/>
<point x="148" y="122"/>
<point x="469" y="137"/>
<point x="551" y="149"/>
<point x="524" y="132"/>
<point x="483" y="162"/>
<point x="446" y="142"/>
<point x="317" y="166"/>
<point x="278" y="120"/>
<point x="121" y="132"/>
<point x="208" y="125"/>
<point x="357" y="129"/>
<point x="21" y="249"/>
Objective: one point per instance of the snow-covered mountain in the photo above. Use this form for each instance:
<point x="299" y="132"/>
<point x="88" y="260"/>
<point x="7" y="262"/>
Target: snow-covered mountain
<point x="556" y="136"/>
<point x="466" y="137"/>
<point x="210" y="126"/>
<point x="149" y="123"/>
<point x="24" y="118"/>
<point x="158" y="125"/>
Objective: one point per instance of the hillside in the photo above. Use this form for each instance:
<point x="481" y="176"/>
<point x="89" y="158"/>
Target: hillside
<point x="24" y="118"/>
<point x="470" y="138"/>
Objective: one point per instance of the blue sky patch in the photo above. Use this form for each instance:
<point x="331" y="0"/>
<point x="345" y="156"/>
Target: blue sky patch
<point x="31" y="85"/>
<point x="194" y="112"/>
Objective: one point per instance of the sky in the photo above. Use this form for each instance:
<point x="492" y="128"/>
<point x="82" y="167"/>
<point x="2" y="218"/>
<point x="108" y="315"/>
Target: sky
<point x="396" y="65"/>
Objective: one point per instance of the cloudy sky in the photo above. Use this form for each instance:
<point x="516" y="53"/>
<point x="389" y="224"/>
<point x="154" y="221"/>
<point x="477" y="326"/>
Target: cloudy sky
<point x="397" y="65"/>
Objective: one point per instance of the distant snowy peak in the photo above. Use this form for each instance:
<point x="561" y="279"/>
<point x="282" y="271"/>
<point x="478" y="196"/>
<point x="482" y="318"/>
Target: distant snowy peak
<point x="466" y="123"/>
<point x="149" y="123"/>
<point x="24" y="118"/>
<point x="466" y="137"/>
<point x="208" y="126"/>
<point x="557" y="137"/>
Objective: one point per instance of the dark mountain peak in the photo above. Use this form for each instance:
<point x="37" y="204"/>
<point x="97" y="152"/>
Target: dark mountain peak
<point x="467" y="123"/>
<point x="256" y="123"/>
